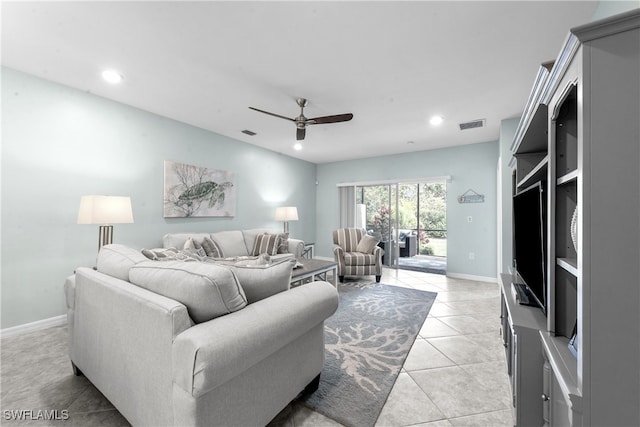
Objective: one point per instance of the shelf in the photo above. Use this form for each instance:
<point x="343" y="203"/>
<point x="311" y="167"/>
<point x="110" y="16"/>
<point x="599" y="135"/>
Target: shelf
<point x="564" y="366"/>
<point x="521" y="315"/>
<point x="568" y="264"/>
<point x="537" y="173"/>
<point x="570" y="177"/>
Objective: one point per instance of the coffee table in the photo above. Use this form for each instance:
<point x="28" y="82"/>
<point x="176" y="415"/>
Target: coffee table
<point x="312" y="268"/>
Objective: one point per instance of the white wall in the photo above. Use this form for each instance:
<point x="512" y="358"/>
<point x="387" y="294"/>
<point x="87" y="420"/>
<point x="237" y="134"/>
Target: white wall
<point x="471" y="166"/>
<point x="59" y="143"/>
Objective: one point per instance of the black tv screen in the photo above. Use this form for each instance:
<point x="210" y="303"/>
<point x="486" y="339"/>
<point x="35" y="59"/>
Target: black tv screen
<point x="530" y="237"/>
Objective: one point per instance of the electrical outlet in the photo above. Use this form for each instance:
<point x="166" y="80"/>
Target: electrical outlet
<point x="472" y="255"/>
<point x="469" y="218"/>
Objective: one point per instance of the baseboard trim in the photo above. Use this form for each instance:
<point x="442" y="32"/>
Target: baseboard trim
<point x="34" y="326"/>
<point x="472" y="277"/>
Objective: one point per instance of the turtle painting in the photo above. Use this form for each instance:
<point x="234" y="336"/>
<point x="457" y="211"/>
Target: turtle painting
<point x="192" y="191"/>
<point x="209" y="190"/>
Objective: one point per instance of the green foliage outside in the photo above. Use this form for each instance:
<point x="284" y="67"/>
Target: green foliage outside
<point x="432" y="218"/>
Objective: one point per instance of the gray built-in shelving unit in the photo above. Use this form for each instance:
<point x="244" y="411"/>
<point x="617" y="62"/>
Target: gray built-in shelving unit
<point x="580" y="133"/>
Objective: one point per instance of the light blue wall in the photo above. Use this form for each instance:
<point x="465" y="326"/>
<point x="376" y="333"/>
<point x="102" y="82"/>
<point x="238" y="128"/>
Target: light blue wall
<point x="612" y="7"/>
<point x="470" y="166"/>
<point x="59" y="144"/>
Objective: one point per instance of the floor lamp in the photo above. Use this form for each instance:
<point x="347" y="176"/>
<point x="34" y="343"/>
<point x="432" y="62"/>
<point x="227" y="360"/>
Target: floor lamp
<point x="105" y="210"/>
<point x="286" y="214"/>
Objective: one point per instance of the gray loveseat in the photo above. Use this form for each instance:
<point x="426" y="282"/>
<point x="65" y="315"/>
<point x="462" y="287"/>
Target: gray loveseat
<point x="195" y="343"/>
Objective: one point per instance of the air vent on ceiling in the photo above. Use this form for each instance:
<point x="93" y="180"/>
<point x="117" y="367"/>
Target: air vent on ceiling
<point x="248" y="132"/>
<point x="472" y="124"/>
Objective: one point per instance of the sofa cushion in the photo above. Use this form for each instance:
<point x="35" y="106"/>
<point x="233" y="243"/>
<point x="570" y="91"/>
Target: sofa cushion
<point x="207" y="290"/>
<point x="211" y="249"/>
<point x="262" y="281"/>
<point x="366" y="244"/>
<point x="265" y="244"/>
<point x="231" y="243"/>
<point x="116" y="260"/>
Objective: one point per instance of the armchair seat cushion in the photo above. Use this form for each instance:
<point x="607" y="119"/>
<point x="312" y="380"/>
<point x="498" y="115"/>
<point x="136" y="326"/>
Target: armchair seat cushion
<point x="358" y="258"/>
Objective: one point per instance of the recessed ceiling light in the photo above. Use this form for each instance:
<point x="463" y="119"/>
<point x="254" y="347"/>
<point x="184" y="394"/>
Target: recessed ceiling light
<point x="436" y="120"/>
<point x="112" y="76"/>
<point x="297" y="147"/>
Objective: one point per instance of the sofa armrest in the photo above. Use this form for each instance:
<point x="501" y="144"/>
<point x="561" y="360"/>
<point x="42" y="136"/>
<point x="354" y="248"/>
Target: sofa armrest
<point x="212" y="353"/>
<point x="296" y="247"/>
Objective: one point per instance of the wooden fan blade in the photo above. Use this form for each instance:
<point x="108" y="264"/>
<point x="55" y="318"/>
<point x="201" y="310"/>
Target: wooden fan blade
<point x="272" y="114"/>
<point x="330" y="119"/>
<point x="300" y="133"/>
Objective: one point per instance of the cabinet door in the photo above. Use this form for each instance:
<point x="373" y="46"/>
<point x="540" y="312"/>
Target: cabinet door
<point x="559" y="409"/>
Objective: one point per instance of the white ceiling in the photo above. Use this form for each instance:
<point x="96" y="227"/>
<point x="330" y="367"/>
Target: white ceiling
<point x="391" y="64"/>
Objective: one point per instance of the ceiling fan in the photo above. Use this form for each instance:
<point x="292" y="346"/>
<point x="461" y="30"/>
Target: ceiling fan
<point x="301" y="121"/>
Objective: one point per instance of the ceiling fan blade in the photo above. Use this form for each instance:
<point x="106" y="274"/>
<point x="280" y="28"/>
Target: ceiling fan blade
<point x="300" y="133"/>
<point x="330" y="119"/>
<point x="273" y="114"/>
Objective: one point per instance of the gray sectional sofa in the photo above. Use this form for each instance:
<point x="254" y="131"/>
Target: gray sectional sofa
<point x="195" y="343"/>
<point x="234" y="243"/>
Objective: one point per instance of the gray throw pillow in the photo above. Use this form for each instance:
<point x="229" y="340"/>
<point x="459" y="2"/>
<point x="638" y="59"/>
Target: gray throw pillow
<point x="116" y="260"/>
<point x="211" y="248"/>
<point x="207" y="290"/>
<point x="366" y="244"/>
<point x="283" y="243"/>
<point x="262" y="281"/>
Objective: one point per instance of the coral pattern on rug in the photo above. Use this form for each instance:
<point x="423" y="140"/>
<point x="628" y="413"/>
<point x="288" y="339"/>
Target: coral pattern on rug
<point x="366" y="343"/>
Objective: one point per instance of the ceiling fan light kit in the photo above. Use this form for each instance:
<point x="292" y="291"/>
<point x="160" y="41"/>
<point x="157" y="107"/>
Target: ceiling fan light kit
<point x="302" y="122"/>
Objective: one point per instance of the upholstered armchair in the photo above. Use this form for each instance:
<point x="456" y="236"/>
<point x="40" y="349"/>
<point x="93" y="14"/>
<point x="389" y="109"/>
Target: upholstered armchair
<point x="356" y="253"/>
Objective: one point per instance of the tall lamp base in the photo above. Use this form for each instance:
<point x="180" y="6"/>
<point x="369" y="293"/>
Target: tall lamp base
<point x="105" y="236"/>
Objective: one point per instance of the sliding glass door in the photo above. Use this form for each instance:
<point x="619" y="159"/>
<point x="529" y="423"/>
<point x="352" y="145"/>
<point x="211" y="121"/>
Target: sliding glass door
<point x="410" y="220"/>
<point x="376" y="207"/>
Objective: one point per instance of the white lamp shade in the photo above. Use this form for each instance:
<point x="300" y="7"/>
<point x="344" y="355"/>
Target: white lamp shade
<point x="105" y="210"/>
<point x="286" y="213"/>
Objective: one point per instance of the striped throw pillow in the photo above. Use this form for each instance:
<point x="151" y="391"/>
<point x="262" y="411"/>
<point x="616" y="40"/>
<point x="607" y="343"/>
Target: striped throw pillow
<point x="211" y="249"/>
<point x="265" y="244"/>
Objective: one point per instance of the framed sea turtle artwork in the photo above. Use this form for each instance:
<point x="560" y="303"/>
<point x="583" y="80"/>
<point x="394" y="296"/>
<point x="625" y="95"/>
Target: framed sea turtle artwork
<point x="195" y="191"/>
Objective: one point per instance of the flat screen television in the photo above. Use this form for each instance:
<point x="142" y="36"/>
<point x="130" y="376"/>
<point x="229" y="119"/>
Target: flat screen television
<point x="530" y="244"/>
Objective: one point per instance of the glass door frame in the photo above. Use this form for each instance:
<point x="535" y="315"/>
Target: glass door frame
<point x="389" y="237"/>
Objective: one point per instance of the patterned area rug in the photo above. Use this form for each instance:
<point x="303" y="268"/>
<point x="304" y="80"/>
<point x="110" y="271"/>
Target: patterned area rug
<point x="366" y="343"/>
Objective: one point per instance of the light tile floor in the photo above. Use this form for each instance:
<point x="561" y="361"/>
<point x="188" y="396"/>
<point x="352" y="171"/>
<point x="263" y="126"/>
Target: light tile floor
<point x="455" y="374"/>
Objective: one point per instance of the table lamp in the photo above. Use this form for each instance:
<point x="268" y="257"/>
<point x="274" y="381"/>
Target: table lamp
<point x="286" y="214"/>
<point x="105" y="210"/>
